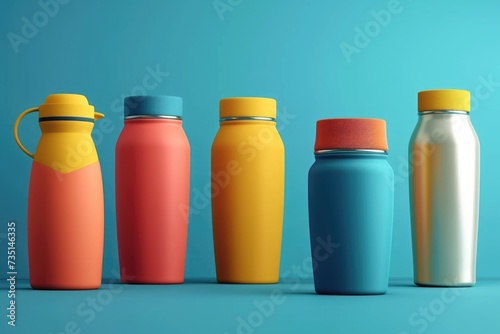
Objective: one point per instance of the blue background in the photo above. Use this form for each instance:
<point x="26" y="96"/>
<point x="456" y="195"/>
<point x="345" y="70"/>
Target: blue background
<point x="288" y="50"/>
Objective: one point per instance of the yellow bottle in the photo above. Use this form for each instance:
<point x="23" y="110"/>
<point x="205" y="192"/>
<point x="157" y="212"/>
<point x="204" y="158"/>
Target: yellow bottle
<point x="248" y="166"/>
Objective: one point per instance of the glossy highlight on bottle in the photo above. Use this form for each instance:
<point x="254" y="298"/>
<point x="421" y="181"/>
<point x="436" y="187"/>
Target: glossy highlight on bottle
<point x="444" y="190"/>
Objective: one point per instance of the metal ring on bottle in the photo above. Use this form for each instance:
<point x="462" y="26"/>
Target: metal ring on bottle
<point x="429" y="112"/>
<point x="354" y="150"/>
<point x="248" y="118"/>
<point x="153" y="117"/>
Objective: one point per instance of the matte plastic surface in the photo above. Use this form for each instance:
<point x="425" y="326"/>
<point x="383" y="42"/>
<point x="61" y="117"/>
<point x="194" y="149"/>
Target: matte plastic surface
<point x="248" y="166"/>
<point x="351" y="133"/>
<point x="444" y="99"/>
<point x="247" y="106"/>
<point x="65" y="201"/>
<point x="152" y="200"/>
<point x="65" y="228"/>
<point x="153" y="105"/>
<point x="351" y="198"/>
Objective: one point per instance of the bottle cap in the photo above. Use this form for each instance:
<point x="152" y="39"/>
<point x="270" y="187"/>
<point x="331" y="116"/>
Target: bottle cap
<point x="351" y="134"/>
<point x="444" y="99"/>
<point x="153" y="105"/>
<point x="247" y="107"/>
<point x="67" y="107"/>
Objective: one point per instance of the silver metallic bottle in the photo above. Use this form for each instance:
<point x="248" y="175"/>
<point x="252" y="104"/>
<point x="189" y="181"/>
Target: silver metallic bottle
<point x="444" y="190"/>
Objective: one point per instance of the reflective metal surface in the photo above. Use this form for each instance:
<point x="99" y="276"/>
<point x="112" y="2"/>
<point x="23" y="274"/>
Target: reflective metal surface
<point x="248" y="118"/>
<point x="444" y="199"/>
<point x="153" y="117"/>
<point x="347" y="151"/>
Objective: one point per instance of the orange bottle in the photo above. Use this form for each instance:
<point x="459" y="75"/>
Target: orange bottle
<point x="65" y="202"/>
<point x="152" y="191"/>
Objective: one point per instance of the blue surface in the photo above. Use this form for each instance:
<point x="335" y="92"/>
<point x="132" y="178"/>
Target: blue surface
<point x="351" y="204"/>
<point x="197" y="307"/>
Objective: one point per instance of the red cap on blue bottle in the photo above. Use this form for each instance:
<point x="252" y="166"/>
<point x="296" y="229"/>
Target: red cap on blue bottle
<point x="351" y="134"/>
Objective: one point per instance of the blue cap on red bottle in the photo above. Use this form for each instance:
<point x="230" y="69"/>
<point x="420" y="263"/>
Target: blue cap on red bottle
<point x="153" y="105"/>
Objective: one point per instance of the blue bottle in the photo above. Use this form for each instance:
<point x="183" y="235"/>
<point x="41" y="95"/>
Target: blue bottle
<point x="351" y="199"/>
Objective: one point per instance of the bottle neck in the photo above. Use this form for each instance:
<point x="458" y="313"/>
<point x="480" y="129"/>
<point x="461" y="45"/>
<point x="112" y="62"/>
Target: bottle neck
<point x="247" y="118"/>
<point x="246" y="122"/>
<point x="150" y="117"/>
<point x="444" y="117"/>
<point x="443" y="112"/>
<point x="141" y="120"/>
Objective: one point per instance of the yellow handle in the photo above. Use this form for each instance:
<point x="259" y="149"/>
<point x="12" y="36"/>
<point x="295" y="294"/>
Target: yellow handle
<point x="16" y="137"/>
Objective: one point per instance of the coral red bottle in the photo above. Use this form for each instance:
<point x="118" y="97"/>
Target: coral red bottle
<point x="152" y="191"/>
<point x="65" y="202"/>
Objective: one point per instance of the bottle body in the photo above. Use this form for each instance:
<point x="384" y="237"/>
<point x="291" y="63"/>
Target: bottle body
<point x="65" y="209"/>
<point x="247" y="167"/>
<point x="444" y="199"/>
<point x="351" y="196"/>
<point x="65" y="228"/>
<point x="152" y="200"/>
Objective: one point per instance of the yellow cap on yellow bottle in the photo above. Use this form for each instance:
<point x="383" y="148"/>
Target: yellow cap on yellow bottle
<point x="247" y="107"/>
<point x="444" y="99"/>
